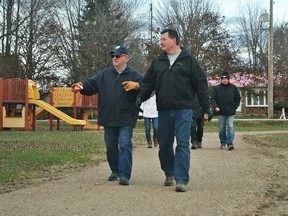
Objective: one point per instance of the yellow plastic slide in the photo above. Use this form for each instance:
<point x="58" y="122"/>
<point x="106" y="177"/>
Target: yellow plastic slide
<point x="39" y="112"/>
<point x="54" y="111"/>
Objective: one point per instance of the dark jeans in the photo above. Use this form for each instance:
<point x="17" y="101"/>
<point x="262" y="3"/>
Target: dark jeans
<point x="119" y="149"/>
<point x="175" y="123"/>
<point x="197" y="130"/>
<point x="148" y="122"/>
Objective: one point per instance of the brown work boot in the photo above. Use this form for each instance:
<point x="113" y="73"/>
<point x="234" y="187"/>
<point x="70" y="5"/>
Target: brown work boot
<point x="155" y="142"/>
<point x="149" y="144"/>
<point x="169" y="181"/>
<point x="181" y="187"/>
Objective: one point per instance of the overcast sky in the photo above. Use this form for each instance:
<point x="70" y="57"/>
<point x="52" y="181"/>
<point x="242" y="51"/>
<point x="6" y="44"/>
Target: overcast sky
<point x="228" y="8"/>
<point x="280" y="8"/>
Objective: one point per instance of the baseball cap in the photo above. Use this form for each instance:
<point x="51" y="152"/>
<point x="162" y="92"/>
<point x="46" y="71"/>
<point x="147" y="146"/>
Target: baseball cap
<point x="119" y="50"/>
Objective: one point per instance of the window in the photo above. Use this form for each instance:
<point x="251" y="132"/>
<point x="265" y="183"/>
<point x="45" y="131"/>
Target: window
<point x="258" y="99"/>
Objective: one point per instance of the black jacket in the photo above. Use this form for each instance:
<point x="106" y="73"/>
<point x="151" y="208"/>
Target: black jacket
<point x="175" y="86"/>
<point x="227" y="98"/>
<point x="116" y="107"/>
<point x="197" y="109"/>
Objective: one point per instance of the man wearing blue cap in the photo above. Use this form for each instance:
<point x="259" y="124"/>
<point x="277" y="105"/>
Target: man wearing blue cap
<point x="117" y="87"/>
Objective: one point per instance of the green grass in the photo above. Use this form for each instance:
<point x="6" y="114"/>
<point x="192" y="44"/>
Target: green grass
<point x="261" y="125"/>
<point x="275" y="149"/>
<point x="28" y="155"/>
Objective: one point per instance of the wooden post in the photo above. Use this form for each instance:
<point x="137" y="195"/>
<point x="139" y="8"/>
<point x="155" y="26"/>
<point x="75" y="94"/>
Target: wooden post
<point x="51" y="103"/>
<point x="1" y="104"/>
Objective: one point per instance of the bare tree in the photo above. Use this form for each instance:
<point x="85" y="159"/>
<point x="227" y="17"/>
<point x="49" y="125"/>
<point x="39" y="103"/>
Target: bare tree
<point x="105" y="24"/>
<point x="199" y="24"/>
<point x="67" y="45"/>
<point x="37" y="38"/>
<point x="281" y="62"/>
<point x="9" y="60"/>
<point x="252" y="38"/>
<point x="280" y="48"/>
<point x="27" y="39"/>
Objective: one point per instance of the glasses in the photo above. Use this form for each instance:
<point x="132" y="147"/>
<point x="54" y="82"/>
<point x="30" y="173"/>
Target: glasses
<point x="117" y="56"/>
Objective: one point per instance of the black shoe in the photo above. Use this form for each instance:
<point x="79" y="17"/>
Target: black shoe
<point x="123" y="181"/>
<point x="199" y="145"/>
<point x="230" y="147"/>
<point x="194" y="146"/>
<point x="113" y="177"/>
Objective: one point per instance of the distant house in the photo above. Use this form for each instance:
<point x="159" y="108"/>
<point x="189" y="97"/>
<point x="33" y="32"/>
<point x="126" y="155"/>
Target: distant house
<point x="253" y="91"/>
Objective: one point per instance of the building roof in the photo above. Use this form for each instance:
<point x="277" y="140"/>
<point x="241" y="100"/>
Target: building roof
<point x="243" y="80"/>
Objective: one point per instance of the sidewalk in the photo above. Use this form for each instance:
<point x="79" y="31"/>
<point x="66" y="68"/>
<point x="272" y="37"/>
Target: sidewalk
<point x="226" y="183"/>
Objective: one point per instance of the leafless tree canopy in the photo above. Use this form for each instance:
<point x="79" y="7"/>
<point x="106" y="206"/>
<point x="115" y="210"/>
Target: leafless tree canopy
<point x="64" y="41"/>
<point x="201" y="30"/>
<point x="252" y="35"/>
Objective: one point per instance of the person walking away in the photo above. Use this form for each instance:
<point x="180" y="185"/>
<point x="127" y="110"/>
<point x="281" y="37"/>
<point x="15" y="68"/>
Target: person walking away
<point x="197" y="126"/>
<point x="117" y="87"/>
<point x="150" y="115"/>
<point x="225" y="100"/>
<point x="177" y="78"/>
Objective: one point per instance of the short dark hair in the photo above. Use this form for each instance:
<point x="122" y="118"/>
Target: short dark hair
<point x="172" y="34"/>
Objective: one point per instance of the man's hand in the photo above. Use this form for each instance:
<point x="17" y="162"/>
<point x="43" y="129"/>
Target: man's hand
<point x="208" y="114"/>
<point x="130" y="85"/>
<point x="138" y="104"/>
<point x="77" y="86"/>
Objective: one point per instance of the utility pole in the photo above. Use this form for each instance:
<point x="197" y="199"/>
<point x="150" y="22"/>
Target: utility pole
<point x="151" y="27"/>
<point x="270" y="65"/>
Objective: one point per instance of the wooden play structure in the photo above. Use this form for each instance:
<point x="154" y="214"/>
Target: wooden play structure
<point x="65" y="98"/>
<point x="20" y="105"/>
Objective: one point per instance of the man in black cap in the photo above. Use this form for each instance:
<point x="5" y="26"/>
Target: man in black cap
<point x="225" y="100"/>
<point x="117" y="87"/>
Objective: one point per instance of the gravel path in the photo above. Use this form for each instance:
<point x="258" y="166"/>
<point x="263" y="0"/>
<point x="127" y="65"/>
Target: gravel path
<point x="222" y="183"/>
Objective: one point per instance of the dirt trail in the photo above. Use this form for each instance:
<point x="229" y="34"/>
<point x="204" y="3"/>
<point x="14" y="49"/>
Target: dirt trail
<point x="226" y="183"/>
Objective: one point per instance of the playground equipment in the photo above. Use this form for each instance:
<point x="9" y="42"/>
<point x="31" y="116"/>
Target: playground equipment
<point x="19" y="98"/>
<point x="65" y="98"/>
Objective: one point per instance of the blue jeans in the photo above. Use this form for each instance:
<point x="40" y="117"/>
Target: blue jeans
<point x="148" y="122"/>
<point x="226" y="129"/>
<point x="175" y="122"/>
<point x="119" y="149"/>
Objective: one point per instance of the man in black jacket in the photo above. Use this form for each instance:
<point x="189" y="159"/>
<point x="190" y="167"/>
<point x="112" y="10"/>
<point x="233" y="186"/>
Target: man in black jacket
<point x="177" y="78"/>
<point x="225" y="100"/>
<point x="117" y="87"/>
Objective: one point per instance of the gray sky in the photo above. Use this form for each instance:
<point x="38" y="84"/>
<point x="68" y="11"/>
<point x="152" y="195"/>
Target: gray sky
<point x="229" y="7"/>
<point x="280" y="8"/>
